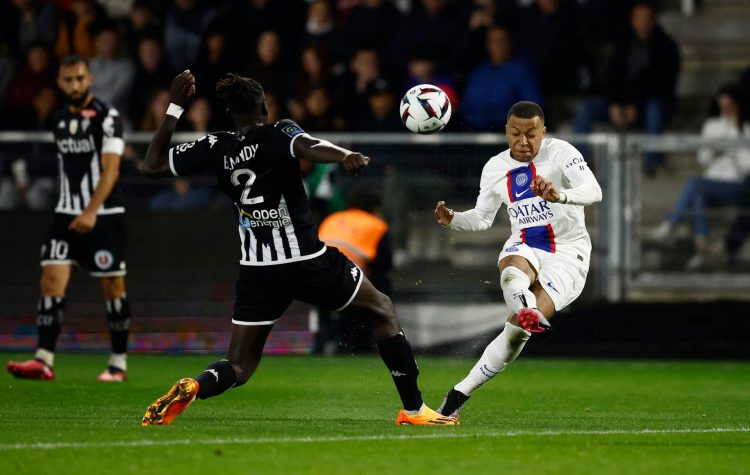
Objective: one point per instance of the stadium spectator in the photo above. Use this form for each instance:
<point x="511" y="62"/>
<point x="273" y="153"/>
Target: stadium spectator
<point x="548" y="36"/>
<point x="314" y="73"/>
<point x="382" y="115"/>
<point x="422" y="69"/>
<point x="184" y="25"/>
<point x="74" y="31"/>
<point x="362" y="235"/>
<point x="113" y="75"/>
<point x="426" y="18"/>
<point x="497" y="84"/>
<point x="289" y="261"/>
<point x="322" y="32"/>
<point x="739" y="231"/>
<point x="30" y="96"/>
<point x="212" y="64"/>
<point x="641" y="82"/>
<point x="244" y="20"/>
<point x="33" y="21"/>
<point x="374" y="24"/>
<point x="157" y="105"/>
<point x="352" y="87"/>
<point x="151" y="73"/>
<point x="141" y="21"/>
<point x="318" y="113"/>
<point x="198" y="115"/>
<point x="721" y="182"/>
<point x="181" y="196"/>
<point x="267" y="68"/>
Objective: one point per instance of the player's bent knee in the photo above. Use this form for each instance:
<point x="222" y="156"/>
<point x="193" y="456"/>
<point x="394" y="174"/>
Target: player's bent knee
<point x="512" y="276"/>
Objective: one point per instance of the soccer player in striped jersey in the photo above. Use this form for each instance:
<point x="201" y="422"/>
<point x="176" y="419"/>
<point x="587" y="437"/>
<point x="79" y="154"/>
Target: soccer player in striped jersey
<point x="544" y="183"/>
<point x="88" y="225"/>
<point x="281" y="257"/>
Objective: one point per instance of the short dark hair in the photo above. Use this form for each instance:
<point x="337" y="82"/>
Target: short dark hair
<point x="526" y="110"/>
<point x="72" y="60"/>
<point x="240" y="94"/>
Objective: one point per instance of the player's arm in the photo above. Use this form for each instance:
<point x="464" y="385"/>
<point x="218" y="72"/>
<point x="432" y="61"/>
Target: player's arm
<point x="156" y="164"/>
<point x="323" y="151"/>
<point x="482" y="215"/>
<point x="584" y="189"/>
<point x="85" y="222"/>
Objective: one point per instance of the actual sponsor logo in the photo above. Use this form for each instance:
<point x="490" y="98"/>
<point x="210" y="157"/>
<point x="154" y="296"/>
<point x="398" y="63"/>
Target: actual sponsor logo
<point x="103" y="259"/>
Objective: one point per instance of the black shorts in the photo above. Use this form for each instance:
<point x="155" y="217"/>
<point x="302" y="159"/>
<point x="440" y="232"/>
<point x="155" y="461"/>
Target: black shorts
<point x="264" y="292"/>
<point x="101" y="252"/>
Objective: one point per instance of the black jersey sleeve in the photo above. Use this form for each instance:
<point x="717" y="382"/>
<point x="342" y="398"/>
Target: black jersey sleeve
<point x="112" y="136"/>
<point x="192" y="157"/>
<point x="287" y="131"/>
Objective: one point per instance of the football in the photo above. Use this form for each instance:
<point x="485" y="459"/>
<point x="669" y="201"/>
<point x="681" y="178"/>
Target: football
<point x="425" y="109"/>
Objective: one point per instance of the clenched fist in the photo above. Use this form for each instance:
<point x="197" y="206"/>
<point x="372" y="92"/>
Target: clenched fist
<point x="545" y="189"/>
<point x="443" y="215"/>
<point x="355" y="162"/>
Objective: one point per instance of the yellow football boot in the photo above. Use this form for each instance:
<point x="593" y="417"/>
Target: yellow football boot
<point x="425" y="417"/>
<point x="163" y="411"/>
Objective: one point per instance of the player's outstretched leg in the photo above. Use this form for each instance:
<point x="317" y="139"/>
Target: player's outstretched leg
<point x="243" y="357"/>
<point x="521" y="298"/>
<point x="397" y="355"/>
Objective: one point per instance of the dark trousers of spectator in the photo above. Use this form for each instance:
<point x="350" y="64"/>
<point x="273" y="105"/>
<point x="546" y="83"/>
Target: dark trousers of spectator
<point x="740" y="229"/>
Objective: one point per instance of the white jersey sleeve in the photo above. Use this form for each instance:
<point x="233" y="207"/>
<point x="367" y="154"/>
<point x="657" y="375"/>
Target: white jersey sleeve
<point x="584" y="189"/>
<point x="488" y="203"/>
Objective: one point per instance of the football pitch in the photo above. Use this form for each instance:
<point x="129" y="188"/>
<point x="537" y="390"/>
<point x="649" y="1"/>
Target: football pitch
<point x="337" y="415"/>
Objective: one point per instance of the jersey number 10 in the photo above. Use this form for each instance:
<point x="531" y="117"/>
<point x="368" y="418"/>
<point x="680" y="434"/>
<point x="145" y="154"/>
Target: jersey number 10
<point x="245" y="198"/>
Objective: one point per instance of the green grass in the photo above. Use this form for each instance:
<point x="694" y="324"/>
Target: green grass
<point x="336" y="415"/>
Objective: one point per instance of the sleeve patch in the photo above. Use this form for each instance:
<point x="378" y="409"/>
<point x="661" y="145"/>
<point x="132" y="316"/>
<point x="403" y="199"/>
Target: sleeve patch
<point x="292" y="130"/>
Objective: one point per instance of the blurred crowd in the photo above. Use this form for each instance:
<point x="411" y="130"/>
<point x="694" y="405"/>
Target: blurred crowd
<point x="343" y="64"/>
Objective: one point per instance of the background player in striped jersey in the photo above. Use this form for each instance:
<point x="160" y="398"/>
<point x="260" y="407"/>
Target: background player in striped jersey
<point x="281" y="257"/>
<point x="88" y="225"/>
<point x="545" y="183"/>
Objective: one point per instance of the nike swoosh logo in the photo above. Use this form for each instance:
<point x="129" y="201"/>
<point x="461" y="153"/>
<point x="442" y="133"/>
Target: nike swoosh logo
<point x="518" y="195"/>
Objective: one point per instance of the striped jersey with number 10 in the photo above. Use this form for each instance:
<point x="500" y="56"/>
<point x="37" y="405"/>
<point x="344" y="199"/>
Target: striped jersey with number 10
<point x="257" y="169"/>
<point x="82" y="138"/>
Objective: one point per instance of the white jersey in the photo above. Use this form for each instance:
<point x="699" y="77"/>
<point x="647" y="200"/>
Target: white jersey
<point x="551" y="227"/>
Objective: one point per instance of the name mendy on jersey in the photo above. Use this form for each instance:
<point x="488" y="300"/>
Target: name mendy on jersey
<point x="71" y="145"/>
<point x="530" y="213"/>
<point x="247" y="152"/>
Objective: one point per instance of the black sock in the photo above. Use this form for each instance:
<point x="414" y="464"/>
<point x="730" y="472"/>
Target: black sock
<point x="398" y="357"/>
<point x="216" y="379"/>
<point x="118" y="319"/>
<point x="49" y="321"/>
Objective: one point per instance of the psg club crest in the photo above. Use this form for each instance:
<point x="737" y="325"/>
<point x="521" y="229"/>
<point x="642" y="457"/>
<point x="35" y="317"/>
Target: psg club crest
<point x="522" y="179"/>
<point x="103" y="259"/>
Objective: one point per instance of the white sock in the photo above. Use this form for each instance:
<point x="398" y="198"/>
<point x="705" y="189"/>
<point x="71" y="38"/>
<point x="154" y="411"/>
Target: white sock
<point x="414" y="413"/>
<point x="45" y="356"/>
<point x="499" y="353"/>
<point x="119" y="361"/>
<point x="515" y="284"/>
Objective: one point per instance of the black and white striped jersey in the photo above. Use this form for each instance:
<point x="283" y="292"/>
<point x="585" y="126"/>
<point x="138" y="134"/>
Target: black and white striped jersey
<point x="81" y="139"/>
<point x="257" y="169"/>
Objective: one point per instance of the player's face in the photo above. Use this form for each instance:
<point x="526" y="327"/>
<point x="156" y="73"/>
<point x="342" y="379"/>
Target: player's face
<point x="524" y="137"/>
<point x="75" y="81"/>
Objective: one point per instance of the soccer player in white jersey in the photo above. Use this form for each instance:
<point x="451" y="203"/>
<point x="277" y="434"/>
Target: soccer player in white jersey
<point x="545" y="183"/>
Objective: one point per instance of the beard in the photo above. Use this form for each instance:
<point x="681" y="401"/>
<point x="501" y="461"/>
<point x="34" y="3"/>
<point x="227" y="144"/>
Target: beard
<point x="77" y="101"/>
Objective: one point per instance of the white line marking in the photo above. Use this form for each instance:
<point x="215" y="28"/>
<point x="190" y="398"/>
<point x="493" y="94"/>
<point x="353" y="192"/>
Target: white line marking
<point x="365" y="438"/>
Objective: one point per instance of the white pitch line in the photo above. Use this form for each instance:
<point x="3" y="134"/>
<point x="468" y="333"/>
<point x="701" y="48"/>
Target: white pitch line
<point x="365" y="438"/>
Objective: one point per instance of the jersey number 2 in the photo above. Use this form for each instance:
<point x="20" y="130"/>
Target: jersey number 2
<point x="245" y="198"/>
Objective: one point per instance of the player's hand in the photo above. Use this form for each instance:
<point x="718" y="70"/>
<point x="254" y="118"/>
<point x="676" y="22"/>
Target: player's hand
<point x="84" y="223"/>
<point x="182" y="88"/>
<point x="443" y="215"/>
<point x="355" y="162"/>
<point x="545" y="189"/>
